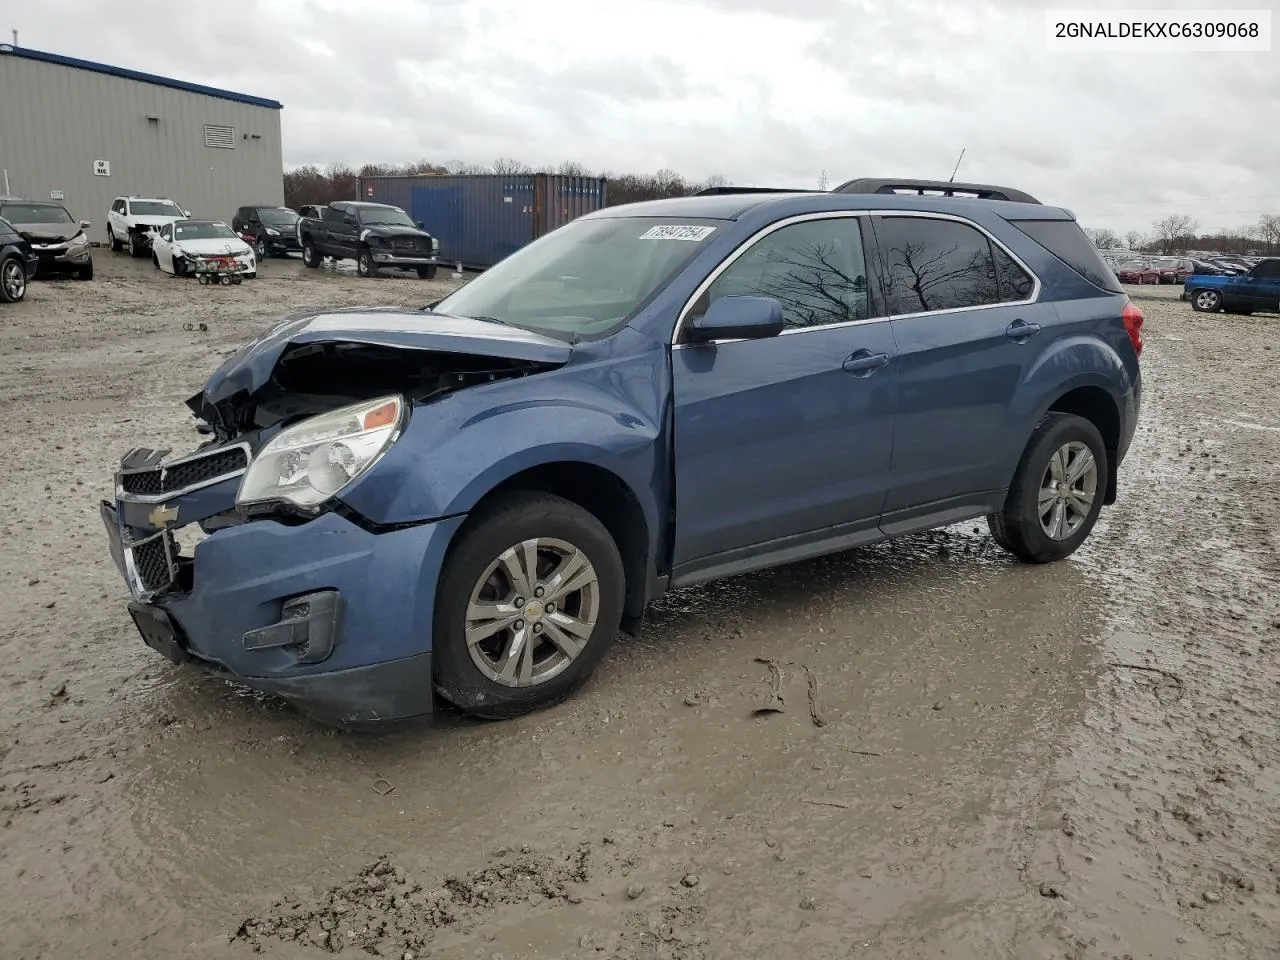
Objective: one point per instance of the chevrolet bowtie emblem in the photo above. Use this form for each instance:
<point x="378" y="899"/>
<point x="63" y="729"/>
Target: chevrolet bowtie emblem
<point x="162" y="516"/>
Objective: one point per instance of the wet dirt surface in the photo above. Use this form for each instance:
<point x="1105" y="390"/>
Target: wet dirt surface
<point x="1073" y="761"/>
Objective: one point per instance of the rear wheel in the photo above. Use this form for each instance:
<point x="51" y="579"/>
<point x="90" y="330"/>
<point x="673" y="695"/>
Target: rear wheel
<point x="529" y="603"/>
<point x="13" y="280"/>
<point x="1057" y="491"/>
<point x="112" y="242"/>
<point x="309" y="255"/>
<point x="1206" y="301"/>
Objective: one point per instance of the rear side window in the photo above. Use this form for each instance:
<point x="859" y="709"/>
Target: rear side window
<point x="1269" y="269"/>
<point x="1066" y="241"/>
<point x="1015" y="283"/>
<point x="931" y="264"/>
<point x="333" y="213"/>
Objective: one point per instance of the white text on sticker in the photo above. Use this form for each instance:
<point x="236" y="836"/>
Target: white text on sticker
<point x="674" y="232"/>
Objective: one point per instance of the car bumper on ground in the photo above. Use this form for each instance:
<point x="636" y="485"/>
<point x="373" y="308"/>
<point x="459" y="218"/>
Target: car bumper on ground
<point x="325" y="614"/>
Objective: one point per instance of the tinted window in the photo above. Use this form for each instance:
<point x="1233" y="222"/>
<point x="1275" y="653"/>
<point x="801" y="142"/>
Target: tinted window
<point x="1267" y="268"/>
<point x="1066" y="241"/>
<point x="816" y="270"/>
<point x="1015" y="283"/>
<point x="935" y="265"/>
<point x="333" y="213"/>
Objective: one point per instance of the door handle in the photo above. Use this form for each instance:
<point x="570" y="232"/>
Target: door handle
<point x="863" y="363"/>
<point x="1020" y="331"/>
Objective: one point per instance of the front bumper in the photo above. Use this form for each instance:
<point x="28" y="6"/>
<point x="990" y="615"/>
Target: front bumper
<point x="394" y="258"/>
<point x="60" y="256"/>
<point x="285" y="243"/>
<point x="327" y="615"/>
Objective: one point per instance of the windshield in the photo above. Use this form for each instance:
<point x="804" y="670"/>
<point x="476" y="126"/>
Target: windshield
<point x="154" y="208"/>
<point x="34" y="213"/>
<point x="279" y="216"/>
<point x="389" y="215"/>
<point x="203" y="231"/>
<point x="585" y="278"/>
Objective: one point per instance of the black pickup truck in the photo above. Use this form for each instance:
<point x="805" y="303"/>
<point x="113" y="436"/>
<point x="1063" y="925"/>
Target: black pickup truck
<point x="374" y="235"/>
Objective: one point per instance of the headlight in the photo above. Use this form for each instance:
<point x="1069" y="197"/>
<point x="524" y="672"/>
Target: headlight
<point x="272" y="232"/>
<point x="312" y="461"/>
<point x="79" y="240"/>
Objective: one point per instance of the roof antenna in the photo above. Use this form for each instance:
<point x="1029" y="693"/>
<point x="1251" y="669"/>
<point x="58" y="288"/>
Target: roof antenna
<point x="957" y="167"/>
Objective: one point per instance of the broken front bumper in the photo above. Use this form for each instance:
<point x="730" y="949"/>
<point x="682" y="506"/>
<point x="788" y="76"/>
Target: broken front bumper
<point x="323" y="613"/>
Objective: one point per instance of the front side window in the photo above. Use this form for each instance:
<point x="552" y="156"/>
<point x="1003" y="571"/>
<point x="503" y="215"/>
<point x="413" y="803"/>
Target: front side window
<point x="815" y="269"/>
<point x="931" y="264"/>
<point x="585" y="278"/>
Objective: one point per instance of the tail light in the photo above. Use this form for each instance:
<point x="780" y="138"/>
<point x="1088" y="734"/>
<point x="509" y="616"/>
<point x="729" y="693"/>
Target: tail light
<point x="1132" y="318"/>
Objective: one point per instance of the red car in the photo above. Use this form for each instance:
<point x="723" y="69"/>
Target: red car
<point x="1173" y="271"/>
<point x="1137" y="271"/>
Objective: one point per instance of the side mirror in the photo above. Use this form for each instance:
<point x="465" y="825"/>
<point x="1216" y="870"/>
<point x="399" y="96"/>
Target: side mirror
<point x="187" y="214"/>
<point x="420" y="226"/>
<point x="86" y="224"/>
<point x="738" y="318"/>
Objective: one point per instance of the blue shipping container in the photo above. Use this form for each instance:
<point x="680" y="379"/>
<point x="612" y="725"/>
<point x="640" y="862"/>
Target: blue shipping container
<point x="481" y="219"/>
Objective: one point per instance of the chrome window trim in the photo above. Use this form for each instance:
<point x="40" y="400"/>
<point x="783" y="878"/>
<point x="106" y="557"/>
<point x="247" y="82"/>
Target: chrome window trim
<point x="124" y="495"/>
<point x="840" y="215"/>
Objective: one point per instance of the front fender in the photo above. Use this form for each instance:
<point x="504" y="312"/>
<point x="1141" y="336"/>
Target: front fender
<point x="458" y="448"/>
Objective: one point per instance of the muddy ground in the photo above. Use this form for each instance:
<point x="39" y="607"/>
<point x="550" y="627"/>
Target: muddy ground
<point x="1074" y="761"/>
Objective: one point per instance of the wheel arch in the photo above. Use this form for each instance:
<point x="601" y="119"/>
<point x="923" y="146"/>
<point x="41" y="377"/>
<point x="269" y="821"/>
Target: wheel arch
<point x="608" y="498"/>
<point x="1099" y="407"/>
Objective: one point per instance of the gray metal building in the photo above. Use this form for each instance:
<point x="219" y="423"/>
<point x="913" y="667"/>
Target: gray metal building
<point x="85" y="133"/>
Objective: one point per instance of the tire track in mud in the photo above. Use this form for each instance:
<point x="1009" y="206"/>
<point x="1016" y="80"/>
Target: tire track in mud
<point x="1169" y="832"/>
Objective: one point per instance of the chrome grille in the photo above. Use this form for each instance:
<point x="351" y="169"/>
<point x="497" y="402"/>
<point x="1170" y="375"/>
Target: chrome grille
<point x="157" y="481"/>
<point x="412" y="244"/>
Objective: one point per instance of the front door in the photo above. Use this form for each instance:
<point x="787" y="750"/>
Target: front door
<point x="1261" y="288"/>
<point x="966" y="334"/>
<point x="784" y="441"/>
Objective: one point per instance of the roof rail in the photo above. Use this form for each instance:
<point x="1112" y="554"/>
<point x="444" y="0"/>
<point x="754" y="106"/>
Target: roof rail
<point x="980" y="191"/>
<point x="723" y="191"/>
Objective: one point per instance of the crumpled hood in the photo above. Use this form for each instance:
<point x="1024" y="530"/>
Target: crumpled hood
<point x="250" y="368"/>
<point x="213" y="246"/>
<point x="47" y="232"/>
<point x="392" y="230"/>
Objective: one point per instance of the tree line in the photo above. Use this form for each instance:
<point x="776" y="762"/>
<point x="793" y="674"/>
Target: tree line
<point x="1178" y="233"/>
<point x="311" y="184"/>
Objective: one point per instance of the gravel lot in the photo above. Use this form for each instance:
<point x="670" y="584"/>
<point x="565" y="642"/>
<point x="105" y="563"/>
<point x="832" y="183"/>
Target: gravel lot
<point x="1076" y="761"/>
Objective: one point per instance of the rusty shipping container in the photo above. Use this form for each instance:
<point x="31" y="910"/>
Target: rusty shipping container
<point x="481" y="219"/>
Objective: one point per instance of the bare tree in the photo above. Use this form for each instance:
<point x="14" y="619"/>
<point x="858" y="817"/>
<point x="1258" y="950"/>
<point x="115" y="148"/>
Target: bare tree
<point x="461" y="169"/>
<point x="715" y="180"/>
<point x="1175" y="232"/>
<point x="1134" y="240"/>
<point x="1102" y="238"/>
<point x="1268" y="230"/>
<point x="571" y="169"/>
<point x="506" y="167"/>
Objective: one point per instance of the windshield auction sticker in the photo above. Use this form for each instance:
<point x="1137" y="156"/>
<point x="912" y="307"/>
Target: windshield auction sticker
<point x="674" y="232"/>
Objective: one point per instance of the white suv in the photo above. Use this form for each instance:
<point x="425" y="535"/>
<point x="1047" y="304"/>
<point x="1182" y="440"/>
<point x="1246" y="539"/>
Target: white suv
<point x="132" y="222"/>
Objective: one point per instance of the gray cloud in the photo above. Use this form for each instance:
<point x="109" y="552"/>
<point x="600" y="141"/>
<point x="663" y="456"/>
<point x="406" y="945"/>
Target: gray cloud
<point x="757" y="91"/>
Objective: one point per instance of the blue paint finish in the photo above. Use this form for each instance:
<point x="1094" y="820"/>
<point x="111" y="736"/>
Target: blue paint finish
<point x="28" y="54"/>
<point x="244" y="573"/>
<point x="1259" y="289"/>
<point x="740" y="453"/>
<point x="192" y="507"/>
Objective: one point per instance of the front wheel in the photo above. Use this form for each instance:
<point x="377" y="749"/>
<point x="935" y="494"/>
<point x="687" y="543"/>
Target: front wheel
<point x="1206" y="301"/>
<point x="112" y="242"/>
<point x="13" y="280"/>
<point x="529" y="603"/>
<point x="427" y="273"/>
<point x="85" y="272"/>
<point x="1057" y="491"/>
<point x="309" y="255"/>
<point x="135" y="246"/>
<point x="365" y="266"/>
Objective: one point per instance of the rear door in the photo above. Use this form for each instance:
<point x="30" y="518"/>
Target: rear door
<point x="785" y="441"/>
<point x="967" y="327"/>
<point x="339" y="236"/>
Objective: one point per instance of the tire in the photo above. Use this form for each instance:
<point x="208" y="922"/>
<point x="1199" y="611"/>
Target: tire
<point x="365" y="266"/>
<point x="13" y="280"/>
<point x="309" y="255"/>
<point x="474" y="564"/>
<point x="178" y="269"/>
<point x="260" y="249"/>
<point x="1206" y="301"/>
<point x="155" y="259"/>
<point x="112" y="242"/>
<point x="427" y="273"/>
<point x="1019" y="526"/>
<point x="135" y="246"/>
<point x="250" y="276"/>
<point x="85" y="272"/>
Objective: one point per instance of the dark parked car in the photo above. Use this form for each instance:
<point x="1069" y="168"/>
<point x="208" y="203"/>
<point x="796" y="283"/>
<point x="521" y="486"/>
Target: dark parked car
<point x="1259" y="289"/>
<point x="18" y="263"/>
<point x="374" y="235"/>
<point x="271" y="231"/>
<point x="56" y="238"/>
<point x="467" y="500"/>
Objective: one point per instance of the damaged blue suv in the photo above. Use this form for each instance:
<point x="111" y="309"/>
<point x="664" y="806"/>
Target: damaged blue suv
<point x="467" y="501"/>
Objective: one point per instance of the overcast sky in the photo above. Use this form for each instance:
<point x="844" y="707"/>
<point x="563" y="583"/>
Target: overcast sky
<point x="768" y="92"/>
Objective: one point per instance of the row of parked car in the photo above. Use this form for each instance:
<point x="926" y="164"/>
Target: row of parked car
<point x="1176" y="269"/>
<point x="40" y="237"/>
